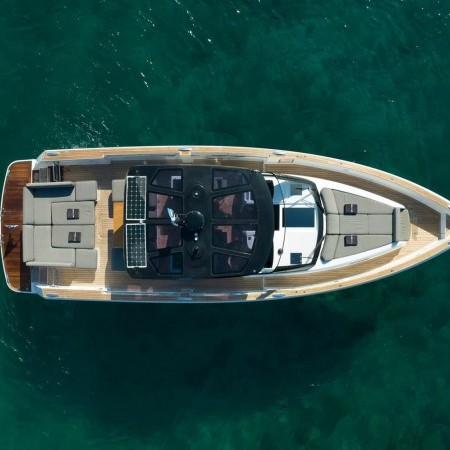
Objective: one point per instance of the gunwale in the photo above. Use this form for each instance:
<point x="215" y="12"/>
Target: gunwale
<point x="429" y="235"/>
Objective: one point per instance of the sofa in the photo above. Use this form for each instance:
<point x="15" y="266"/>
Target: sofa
<point x="355" y="224"/>
<point x="59" y="224"/>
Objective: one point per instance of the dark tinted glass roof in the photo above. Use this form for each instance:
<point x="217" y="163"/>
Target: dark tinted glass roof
<point x="196" y="221"/>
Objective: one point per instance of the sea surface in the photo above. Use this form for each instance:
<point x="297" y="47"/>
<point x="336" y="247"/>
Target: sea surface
<point x="364" y="368"/>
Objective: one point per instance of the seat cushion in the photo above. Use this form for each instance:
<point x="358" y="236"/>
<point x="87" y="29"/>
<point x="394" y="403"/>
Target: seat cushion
<point x="60" y="236"/>
<point x="364" y="205"/>
<point x="27" y="243"/>
<point x="380" y="223"/>
<point x="28" y="206"/>
<point x="86" y="213"/>
<point x="86" y="190"/>
<point x="45" y="254"/>
<point x="332" y="221"/>
<point x="365" y="243"/>
<point x="329" y="247"/>
<point x="37" y="202"/>
<point x="329" y="202"/>
<point x="402" y="225"/>
<point x="86" y="259"/>
<point x="358" y="224"/>
<point x="118" y="190"/>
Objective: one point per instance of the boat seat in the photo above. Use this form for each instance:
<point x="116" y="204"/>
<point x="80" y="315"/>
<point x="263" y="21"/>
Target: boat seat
<point x="86" y="258"/>
<point x="373" y="223"/>
<point x="360" y="224"/>
<point x="48" y="246"/>
<point x="83" y="213"/>
<point x="38" y="198"/>
<point x="38" y="250"/>
<point x="86" y="190"/>
<point x="118" y="190"/>
<point x="334" y="246"/>
<point x="402" y="225"/>
<point x="59" y="223"/>
<point x="61" y="236"/>
<point x="334" y="202"/>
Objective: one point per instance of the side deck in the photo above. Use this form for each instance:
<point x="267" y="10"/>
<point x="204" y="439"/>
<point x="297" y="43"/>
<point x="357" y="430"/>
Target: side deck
<point x="16" y="272"/>
<point x="430" y="236"/>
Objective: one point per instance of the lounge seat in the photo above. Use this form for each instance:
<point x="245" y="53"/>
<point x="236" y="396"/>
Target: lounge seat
<point x="39" y="197"/>
<point x="372" y="223"/>
<point x="86" y="190"/>
<point x="61" y="235"/>
<point x="38" y="250"/>
<point x="84" y="210"/>
<point x="335" y="200"/>
<point x="59" y="224"/>
<point x="360" y="224"/>
<point x="86" y="258"/>
<point x="334" y="246"/>
<point x="402" y="225"/>
<point x="118" y="190"/>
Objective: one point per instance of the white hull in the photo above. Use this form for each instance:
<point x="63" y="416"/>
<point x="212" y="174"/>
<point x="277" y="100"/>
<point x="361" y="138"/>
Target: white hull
<point x="429" y="212"/>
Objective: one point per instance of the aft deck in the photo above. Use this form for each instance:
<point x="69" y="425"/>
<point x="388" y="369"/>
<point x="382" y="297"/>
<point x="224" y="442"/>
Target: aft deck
<point x="17" y="273"/>
<point x="111" y="281"/>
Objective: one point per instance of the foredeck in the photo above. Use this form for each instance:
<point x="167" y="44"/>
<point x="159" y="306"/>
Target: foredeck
<point x="17" y="273"/>
<point x="111" y="282"/>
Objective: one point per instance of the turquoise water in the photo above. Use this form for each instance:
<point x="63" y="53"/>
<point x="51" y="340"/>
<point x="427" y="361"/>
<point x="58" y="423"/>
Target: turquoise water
<point x="365" y="368"/>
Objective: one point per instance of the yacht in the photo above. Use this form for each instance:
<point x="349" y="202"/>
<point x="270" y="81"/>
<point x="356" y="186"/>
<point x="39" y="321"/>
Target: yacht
<point x="209" y="224"/>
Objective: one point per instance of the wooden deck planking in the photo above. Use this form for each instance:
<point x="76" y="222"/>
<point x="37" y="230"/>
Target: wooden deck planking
<point x="117" y="224"/>
<point x="17" y="273"/>
<point x="425" y="230"/>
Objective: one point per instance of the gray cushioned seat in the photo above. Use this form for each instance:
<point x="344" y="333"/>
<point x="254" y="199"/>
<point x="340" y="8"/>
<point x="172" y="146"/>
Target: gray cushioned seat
<point x="118" y="190"/>
<point x="86" y="213"/>
<point x="329" y="247"/>
<point x="43" y="252"/>
<point x="28" y="207"/>
<point x="37" y="201"/>
<point x="358" y="224"/>
<point x="335" y="200"/>
<point x="365" y="243"/>
<point x="332" y="221"/>
<point x="329" y="202"/>
<point x="27" y="243"/>
<point x="375" y="224"/>
<point x="86" y="190"/>
<point x="60" y="236"/>
<point x="380" y="223"/>
<point x="402" y="224"/>
<point x="86" y="259"/>
<point x="334" y="245"/>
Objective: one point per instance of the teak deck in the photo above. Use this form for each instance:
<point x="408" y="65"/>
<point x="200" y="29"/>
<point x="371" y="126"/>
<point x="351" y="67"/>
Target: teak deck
<point x="108" y="283"/>
<point x="17" y="273"/>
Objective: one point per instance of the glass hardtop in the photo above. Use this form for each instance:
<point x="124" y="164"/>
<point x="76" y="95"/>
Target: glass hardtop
<point x="196" y="221"/>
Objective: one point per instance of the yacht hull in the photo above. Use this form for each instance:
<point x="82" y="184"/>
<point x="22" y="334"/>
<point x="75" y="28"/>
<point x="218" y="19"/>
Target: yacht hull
<point x="429" y="234"/>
